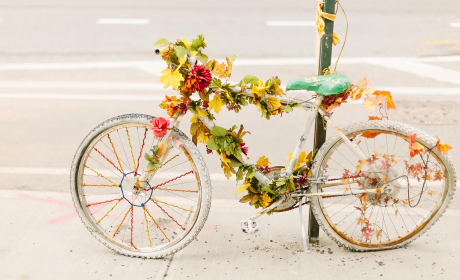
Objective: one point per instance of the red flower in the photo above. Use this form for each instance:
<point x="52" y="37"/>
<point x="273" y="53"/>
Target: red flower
<point x="159" y="126"/>
<point x="199" y="78"/>
<point x="244" y="149"/>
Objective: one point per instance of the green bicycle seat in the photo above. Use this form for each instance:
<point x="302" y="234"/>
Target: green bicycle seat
<point x="323" y="85"/>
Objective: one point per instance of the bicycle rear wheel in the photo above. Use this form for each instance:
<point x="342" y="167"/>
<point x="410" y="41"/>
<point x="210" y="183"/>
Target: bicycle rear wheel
<point x="420" y="187"/>
<point x="153" y="222"/>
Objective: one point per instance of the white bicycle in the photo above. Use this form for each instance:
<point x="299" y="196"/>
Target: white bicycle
<point x="392" y="199"/>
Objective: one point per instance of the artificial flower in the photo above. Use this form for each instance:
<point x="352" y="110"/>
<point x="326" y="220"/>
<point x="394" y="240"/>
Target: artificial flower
<point x="159" y="126"/>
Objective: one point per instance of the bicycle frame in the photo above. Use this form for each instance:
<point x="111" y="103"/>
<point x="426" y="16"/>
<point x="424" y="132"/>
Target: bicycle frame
<point x="313" y="108"/>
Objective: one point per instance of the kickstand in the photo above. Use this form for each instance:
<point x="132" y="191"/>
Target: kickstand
<point x="304" y="235"/>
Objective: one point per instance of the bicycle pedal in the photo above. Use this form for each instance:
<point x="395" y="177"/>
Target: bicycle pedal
<point x="249" y="226"/>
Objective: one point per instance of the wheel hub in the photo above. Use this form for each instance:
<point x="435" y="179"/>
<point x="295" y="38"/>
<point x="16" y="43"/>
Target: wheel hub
<point x="132" y="192"/>
<point x="391" y="187"/>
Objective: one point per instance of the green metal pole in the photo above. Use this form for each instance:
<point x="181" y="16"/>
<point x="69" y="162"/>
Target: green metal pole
<point x="325" y="54"/>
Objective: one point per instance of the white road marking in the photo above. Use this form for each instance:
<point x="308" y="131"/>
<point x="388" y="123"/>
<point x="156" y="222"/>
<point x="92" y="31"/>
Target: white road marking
<point x="123" y="21"/>
<point x="421" y="69"/>
<point x="421" y="91"/>
<point x="65" y="96"/>
<point x="290" y="23"/>
<point x="84" y="85"/>
<point x="66" y="171"/>
<point x="455" y="24"/>
<point x="411" y="65"/>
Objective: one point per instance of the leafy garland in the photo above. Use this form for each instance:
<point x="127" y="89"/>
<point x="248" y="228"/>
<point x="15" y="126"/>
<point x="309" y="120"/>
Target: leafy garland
<point x="211" y="80"/>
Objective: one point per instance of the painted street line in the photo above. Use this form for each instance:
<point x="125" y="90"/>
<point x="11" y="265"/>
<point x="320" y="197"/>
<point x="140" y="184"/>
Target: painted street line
<point x="123" y="21"/>
<point x="66" y="172"/>
<point x="65" y="96"/>
<point x="140" y="64"/>
<point x="83" y="85"/>
<point x="422" y="70"/>
<point x="289" y="23"/>
<point x="455" y="24"/>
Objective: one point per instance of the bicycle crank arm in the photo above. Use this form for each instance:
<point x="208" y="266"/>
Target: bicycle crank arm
<point x="349" y="192"/>
<point x="250" y="225"/>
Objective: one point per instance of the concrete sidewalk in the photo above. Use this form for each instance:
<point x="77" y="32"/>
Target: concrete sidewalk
<point x="42" y="238"/>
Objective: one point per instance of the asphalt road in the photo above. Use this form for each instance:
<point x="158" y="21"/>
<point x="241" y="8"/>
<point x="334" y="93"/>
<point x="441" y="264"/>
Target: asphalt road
<point x="62" y="73"/>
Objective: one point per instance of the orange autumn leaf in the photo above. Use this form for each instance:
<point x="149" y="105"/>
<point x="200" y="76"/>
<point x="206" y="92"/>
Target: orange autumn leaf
<point x="372" y="118"/>
<point x="414" y="146"/>
<point x="438" y="176"/>
<point x="389" y="98"/>
<point x="431" y="193"/>
<point x="370" y="102"/>
<point x="370" y="135"/>
<point x="443" y="147"/>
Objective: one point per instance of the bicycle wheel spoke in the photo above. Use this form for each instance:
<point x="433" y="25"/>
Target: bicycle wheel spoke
<point x="381" y="226"/>
<point x="115" y="152"/>
<point x="102" y="176"/>
<point x="142" y="148"/>
<point x="168" y="215"/>
<point x="108" y="160"/>
<point x="157" y="225"/>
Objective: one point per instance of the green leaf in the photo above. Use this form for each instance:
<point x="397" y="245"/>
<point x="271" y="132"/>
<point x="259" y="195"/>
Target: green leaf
<point x="240" y="173"/>
<point x="251" y="172"/>
<point x="198" y="43"/>
<point x="154" y="150"/>
<point x="286" y="109"/>
<point x="218" y="131"/>
<point x="156" y="164"/>
<point x="281" y="182"/>
<point x="235" y="163"/>
<point x="147" y="157"/>
<point x="267" y="189"/>
<point x="212" y="144"/>
<point x="295" y="105"/>
<point x="215" y="84"/>
<point x="181" y="52"/>
<point x="202" y="57"/>
<point x="161" y="42"/>
<point x="249" y="79"/>
<point x="150" y="165"/>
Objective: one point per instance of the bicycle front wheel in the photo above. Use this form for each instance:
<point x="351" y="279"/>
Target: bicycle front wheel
<point x="155" y="221"/>
<point x="418" y="188"/>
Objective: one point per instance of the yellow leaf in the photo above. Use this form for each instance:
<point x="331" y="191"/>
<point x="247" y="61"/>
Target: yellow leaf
<point x="263" y="161"/>
<point x="396" y="212"/>
<point x="378" y="233"/>
<point x="279" y="91"/>
<point x="242" y="188"/>
<point x="303" y="158"/>
<point x="171" y="78"/>
<point x="194" y="119"/>
<point x="443" y="147"/>
<point x="201" y="112"/>
<point x="273" y="103"/>
<point x="228" y="170"/>
<point x="203" y="135"/>
<point x="229" y="66"/>
<point x="255" y="198"/>
<point x="216" y="103"/>
<point x="224" y="158"/>
<point x="345" y="190"/>
<point x="259" y="89"/>
<point x="246" y="198"/>
<point x="187" y="44"/>
<point x="219" y="70"/>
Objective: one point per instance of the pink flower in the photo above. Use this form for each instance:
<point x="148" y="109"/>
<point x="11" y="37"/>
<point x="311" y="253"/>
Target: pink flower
<point x="159" y="126"/>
